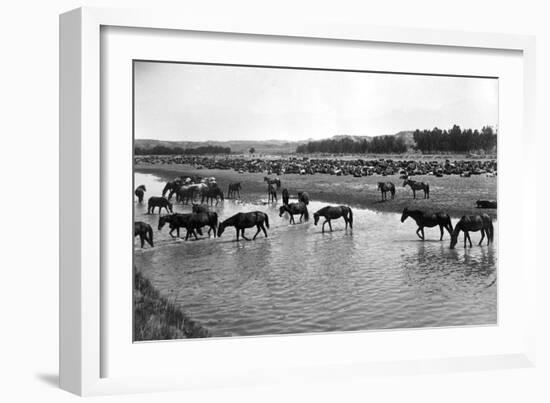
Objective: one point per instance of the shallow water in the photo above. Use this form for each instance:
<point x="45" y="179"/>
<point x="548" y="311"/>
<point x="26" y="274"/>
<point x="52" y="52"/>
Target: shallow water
<point x="380" y="275"/>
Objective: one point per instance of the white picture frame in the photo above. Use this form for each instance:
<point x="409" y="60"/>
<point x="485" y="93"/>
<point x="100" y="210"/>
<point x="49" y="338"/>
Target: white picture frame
<point x="82" y="195"/>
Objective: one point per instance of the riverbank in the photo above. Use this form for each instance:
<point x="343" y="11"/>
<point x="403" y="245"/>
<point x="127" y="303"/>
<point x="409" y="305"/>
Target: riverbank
<point x="155" y="318"/>
<point x="451" y="193"/>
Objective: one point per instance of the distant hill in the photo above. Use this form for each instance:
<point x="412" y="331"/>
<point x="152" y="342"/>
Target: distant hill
<point x="260" y="146"/>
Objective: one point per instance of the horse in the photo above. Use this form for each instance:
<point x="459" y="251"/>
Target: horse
<point x="286" y="196"/>
<point x="159" y="202"/>
<point x="199" y="208"/>
<point x="430" y="220"/>
<point x="144" y="231"/>
<point x="275" y="181"/>
<point x="241" y="221"/>
<point x="386" y="187"/>
<point x="175" y="222"/>
<point x="211" y="194"/>
<point x="199" y="220"/>
<point x="271" y="193"/>
<point x="140" y="191"/>
<point x="303" y="197"/>
<point x="486" y="204"/>
<point x="418" y="186"/>
<point x="184" y="194"/>
<point x="234" y="188"/>
<point x="332" y="213"/>
<point x="172" y="187"/>
<point x="473" y="223"/>
<point x="294" y="208"/>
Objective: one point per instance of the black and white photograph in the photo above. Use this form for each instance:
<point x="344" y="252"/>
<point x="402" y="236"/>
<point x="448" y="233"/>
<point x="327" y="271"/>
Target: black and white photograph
<point x="272" y="200"/>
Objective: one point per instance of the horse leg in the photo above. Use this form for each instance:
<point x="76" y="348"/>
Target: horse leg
<point x="263" y="229"/>
<point x="330" y="225"/>
<point x="257" y="232"/>
<point x="414" y="194"/>
<point x="243" y="235"/>
<point x="236" y="229"/>
<point x="141" y="239"/>
<point x="482" y="237"/>
<point x="441" y="230"/>
<point x="323" y="228"/>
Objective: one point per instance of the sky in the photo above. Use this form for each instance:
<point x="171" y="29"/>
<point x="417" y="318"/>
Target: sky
<point x="189" y="102"/>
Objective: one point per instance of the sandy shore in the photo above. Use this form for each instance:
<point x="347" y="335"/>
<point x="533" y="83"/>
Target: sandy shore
<point x="452" y="194"/>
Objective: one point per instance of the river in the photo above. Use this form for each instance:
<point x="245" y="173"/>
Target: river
<point x="378" y="276"/>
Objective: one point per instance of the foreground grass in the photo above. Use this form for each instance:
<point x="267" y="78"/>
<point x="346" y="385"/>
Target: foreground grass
<point x="157" y="319"/>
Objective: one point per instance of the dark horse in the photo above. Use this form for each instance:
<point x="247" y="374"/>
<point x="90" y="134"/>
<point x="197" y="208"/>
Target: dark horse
<point x="200" y="208"/>
<point x="271" y="193"/>
<point x="332" y="213"/>
<point x="303" y="197"/>
<point x="429" y="220"/>
<point x="486" y="204"/>
<point x="212" y="194"/>
<point x="171" y="187"/>
<point x="418" y="186"/>
<point x="144" y="231"/>
<point x="295" y="208"/>
<point x="473" y="223"/>
<point x="199" y="220"/>
<point x="286" y="196"/>
<point x="241" y="221"/>
<point x="175" y="222"/>
<point x="275" y="181"/>
<point x="159" y="202"/>
<point x="140" y="191"/>
<point x="386" y="187"/>
<point x="234" y="188"/>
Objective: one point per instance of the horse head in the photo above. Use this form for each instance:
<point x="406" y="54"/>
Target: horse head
<point x="405" y="214"/>
<point x="162" y="221"/>
<point x="282" y="210"/>
<point x="405" y="182"/>
<point x="221" y="228"/>
<point x="454" y="240"/>
<point x="195" y="208"/>
<point x="315" y="218"/>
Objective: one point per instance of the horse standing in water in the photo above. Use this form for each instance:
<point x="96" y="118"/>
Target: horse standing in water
<point x="418" y="186"/>
<point x="171" y="187"/>
<point x="303" y="197"/>
<point x="184" y="194"/>
<point x="271" y="194"/>
<point x="295" y="208"/>
<point x="275" y="181"/>
<point x="286" y="196"/>
<point x="232" y="189"/>
<point x="175" y="222"/>
<point x="386" y="187"/>
<point x="332" y="213"/>
<point x="429" y="220"/>
<point x="214" y="193"/>
<point x="241" y="221"/>
<point x="473" y="223"/>
<point x="199" y="220"/>
<point x="145" y="233"/>
<point x="140" y="192"/>
<point x="159" y="202"/>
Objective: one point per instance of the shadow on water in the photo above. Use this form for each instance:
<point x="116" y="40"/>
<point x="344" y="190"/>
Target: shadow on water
<point x="378" y="275"/>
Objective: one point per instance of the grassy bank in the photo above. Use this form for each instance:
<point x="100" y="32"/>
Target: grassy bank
<point x="452" y="194"/>
<point x="157" y="319"/>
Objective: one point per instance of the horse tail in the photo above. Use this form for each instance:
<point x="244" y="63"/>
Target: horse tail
<point x="266" y="220"/>
<point x="306" y="213"/>
<point x="150" y="234"/>
<point x="350" y="217"/>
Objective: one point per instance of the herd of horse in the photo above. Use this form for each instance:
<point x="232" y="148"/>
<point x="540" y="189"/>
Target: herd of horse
<point x="201" y="215"/>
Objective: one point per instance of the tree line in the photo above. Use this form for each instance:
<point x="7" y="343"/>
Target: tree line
<point x="346" y="145"/>
<point x="456" y="140"/>
<point x="163" y="150"/>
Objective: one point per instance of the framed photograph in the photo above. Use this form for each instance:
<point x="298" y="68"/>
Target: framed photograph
<point x="245" y="202"/>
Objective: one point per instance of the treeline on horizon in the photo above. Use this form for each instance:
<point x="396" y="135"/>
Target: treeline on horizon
<point x="426" y="141"/>
<point x="163" y="150"/>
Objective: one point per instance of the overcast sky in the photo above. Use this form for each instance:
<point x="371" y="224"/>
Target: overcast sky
<point x="201" y="102"/>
